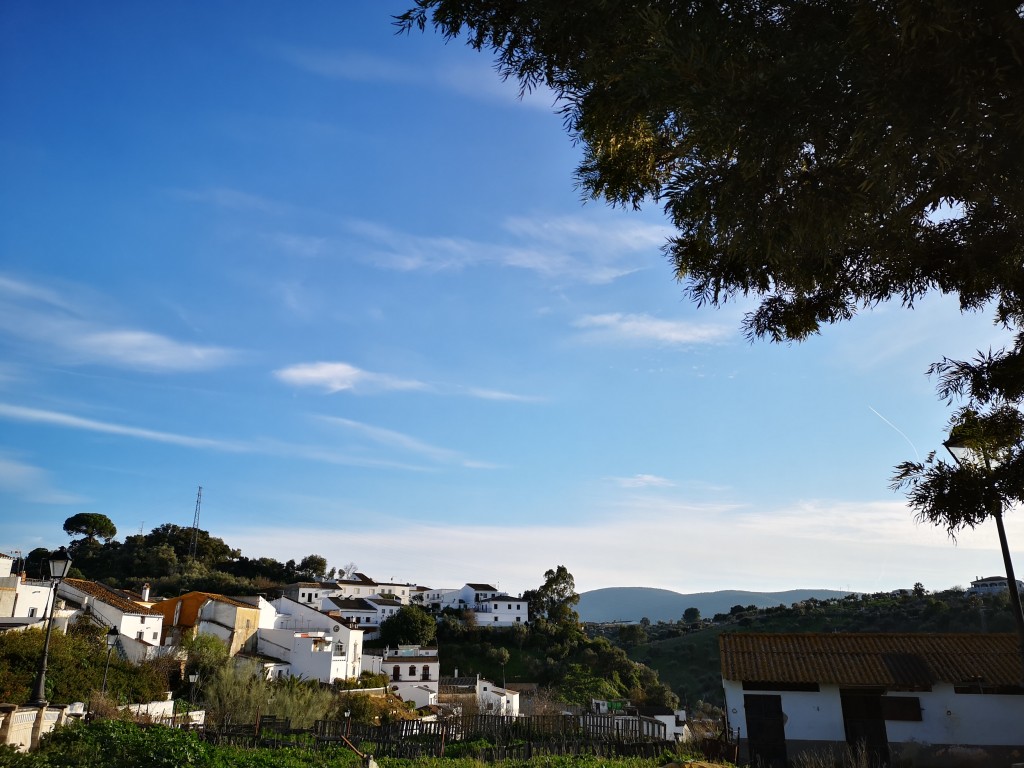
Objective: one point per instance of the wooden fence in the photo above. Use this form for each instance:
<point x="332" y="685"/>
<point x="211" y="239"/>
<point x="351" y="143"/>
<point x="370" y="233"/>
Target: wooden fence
<point x="506" y="738"/>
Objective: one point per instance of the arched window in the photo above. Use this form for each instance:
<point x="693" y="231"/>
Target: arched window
<point x="412" y="671"/>
<point x="396" y="673"/>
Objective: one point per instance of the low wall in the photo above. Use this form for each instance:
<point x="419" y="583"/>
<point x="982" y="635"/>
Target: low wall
<point x="21" y="727"/>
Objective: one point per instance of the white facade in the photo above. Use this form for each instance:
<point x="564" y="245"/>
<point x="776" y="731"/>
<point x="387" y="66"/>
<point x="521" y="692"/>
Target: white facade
<point x="312" y="644"/>
<point x="947" y="717"/>
<point x="993" y="585"/>
<point x="501" y="611"/>
<point x="409" y="667"/>
<point x="139" y="628"/>
<point x="495" y="700"/>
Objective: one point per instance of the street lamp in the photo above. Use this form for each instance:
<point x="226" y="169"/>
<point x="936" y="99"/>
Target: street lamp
<point x="60" y="564"/>
<point x="971" y="453"/>
<point x="111" y="638"/>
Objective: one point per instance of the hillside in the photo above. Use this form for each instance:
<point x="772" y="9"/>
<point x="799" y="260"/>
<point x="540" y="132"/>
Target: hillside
<point x="688" y="661"/>
<point x="636" y="603"/>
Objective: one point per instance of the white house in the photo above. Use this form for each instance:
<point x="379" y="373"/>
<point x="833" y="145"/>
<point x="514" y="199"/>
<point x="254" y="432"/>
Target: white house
<point x="924" y="698"/>
<point x="23" y="601"/>
<point x="501" y="611"/>
<point x="139" y="627"/>
<point x="480" y="694"/>
<point x="312" y="644"/>
<point x="993" y="585"/>
<point x="411" y="670"/>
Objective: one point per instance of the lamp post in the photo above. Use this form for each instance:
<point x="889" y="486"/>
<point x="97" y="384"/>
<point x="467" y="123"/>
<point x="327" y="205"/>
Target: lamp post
<point x="60" y="564"/>
<point x="111" y="638"/>
<point x="969" y="453"/>
<point x="348" y="722"/>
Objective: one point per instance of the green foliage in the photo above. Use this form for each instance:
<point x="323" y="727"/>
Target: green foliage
<point x="303" y="702"/>
<point x="92" y="525"/>
<point x="688" y="661"/>
<point x="115" y="743"/>
<point x="236" y="693"/>
<point x="553" y="602"/>
<point x="691" y="615"/>
<point x="74" y="668"/>
<point x="410" y="625"/>
<point x="800" y="149"/>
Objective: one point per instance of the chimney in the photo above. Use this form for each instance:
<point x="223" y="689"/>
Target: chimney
<point x="145" y="593"/>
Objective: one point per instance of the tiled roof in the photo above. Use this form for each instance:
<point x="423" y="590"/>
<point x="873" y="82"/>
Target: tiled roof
<point x="481" y="587"/>
<point x="893" y="660"/>
<point x="230" y="601"/>
<point x="351" y="604"/>
<point x="110" y="596"/>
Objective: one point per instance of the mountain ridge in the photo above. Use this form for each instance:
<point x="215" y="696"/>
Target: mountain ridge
<point x="631" y="604"/>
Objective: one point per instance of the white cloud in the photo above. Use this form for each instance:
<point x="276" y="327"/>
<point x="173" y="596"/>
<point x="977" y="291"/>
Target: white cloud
<point x="43" y="317"/>
<point x="346" y="65"/>
<point x="31" y="484"/>
<point x="617" y="326"/>
<point x="57" y="419"/>
<point x="643" y="481"/>
<point x="494" y="394"/>
<point x="662" y="543"/>
<point x="393" y="439"/>
<point x="570" y="248"/>
<point x="339" y="377"/>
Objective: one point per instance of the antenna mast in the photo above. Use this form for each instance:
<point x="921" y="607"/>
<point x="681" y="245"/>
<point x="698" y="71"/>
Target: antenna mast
<point x="195" y="527"/>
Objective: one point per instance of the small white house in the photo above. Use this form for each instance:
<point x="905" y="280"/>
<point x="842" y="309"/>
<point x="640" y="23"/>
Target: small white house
<point x="993" y="585"/>
<point x="930" y="699"/>
<point x="410" y="668"/>
<point x="139" y="627"/>
<point x="20" y="597"/>
<point x="501" y="611"/>
<point x="312" y="644"/>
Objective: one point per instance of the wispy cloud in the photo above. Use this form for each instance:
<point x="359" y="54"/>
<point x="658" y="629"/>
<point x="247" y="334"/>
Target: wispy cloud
<point x="343" y="377"/>
<point x="347" y="65"/>
<point x="69" y="421"/>
<point x="41" y="316"/>
<point x="562" y="248"/>
<point x="620" y="327"/>
<point x="494" y="394"/>
<point x="643" y="481"/>
<point x="31" y="483"/>
<point x="262" y="446"/>
<point x="392" y="439"/>
<point x="233" y="199"/>
<point x="478" y="81"/>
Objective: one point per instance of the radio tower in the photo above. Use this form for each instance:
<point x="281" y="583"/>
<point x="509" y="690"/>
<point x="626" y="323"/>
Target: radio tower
<point x="195" y="527"/>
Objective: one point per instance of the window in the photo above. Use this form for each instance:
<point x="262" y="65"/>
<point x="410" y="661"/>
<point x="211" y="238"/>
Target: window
<point x="32" y="612"/>
<point x="519" y="619"/>
<point x="412" y="670"/>
<point x="396" y="673"/>
<point x="426" y="673"/>
<point x="154" y="635"/>
<point x="138" y="635"/>
<point x="495" y="618"/>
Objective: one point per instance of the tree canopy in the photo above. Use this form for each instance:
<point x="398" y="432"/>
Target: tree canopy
<point x="411" y="625"/>
<point x="92" y="525"/>
<point x="554" y="600"/>
<point x="823" y="156"/>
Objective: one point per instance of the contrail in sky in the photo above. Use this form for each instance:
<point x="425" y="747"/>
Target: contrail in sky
<point x="916" y="454"/>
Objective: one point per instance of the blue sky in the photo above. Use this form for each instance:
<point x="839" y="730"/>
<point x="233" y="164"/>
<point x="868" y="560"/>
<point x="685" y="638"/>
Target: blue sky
<point x="342" y="279"/>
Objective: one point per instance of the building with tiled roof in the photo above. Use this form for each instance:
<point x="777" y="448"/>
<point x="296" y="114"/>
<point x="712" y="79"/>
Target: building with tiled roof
<point x="139" y="627"/>
<point x="925" y="694"/>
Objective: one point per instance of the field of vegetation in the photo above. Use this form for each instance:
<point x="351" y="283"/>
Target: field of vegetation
<point x="685" y="655"/>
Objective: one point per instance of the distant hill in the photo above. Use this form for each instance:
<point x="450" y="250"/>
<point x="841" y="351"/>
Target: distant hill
<point x="635" y="603"/>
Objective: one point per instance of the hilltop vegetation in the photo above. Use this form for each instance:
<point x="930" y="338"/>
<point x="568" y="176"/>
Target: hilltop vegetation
<point x="685" y="656"/>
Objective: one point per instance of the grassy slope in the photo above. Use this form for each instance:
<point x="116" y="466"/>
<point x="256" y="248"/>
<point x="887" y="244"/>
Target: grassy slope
<point x="689" y="663"/>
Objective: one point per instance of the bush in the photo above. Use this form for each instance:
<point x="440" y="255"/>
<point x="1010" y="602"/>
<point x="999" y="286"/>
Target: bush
<point x="116" y="743"/>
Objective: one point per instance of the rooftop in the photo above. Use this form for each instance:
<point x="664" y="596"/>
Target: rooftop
<point x="897" y="660"/>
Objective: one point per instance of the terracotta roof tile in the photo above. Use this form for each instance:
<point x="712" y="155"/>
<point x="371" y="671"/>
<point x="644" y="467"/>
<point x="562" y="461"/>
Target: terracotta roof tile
<point x="894" y="660"/>
<point x="110" y="596"/>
